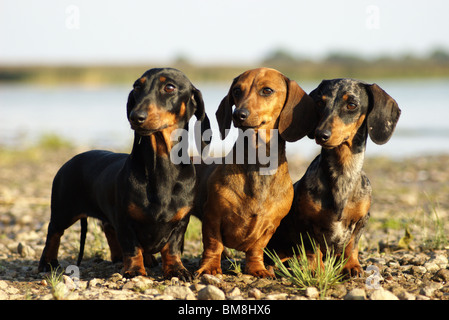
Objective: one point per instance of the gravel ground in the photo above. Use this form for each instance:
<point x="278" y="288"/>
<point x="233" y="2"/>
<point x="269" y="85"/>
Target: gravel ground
<point x="404" y="250"/>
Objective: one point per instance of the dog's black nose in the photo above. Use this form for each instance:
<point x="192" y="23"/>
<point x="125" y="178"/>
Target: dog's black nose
<point x="322" y="135"/>
<point x="240" y="114"/>
<point x="138" y="117"/>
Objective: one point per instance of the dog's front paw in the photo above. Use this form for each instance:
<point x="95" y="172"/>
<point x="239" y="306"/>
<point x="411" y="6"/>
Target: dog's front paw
<point x="212" y="270"/>
<point x="134" y="272"/>
<point x="178" y="271"/>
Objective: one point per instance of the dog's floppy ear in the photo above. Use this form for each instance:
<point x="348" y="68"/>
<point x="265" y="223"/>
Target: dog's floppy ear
<point x="224" y="111"/>
<point x="383" y="115"/>
<point x="131" y="103"/>
<point x="200" y="114"/>
<point x="298" y="116"/>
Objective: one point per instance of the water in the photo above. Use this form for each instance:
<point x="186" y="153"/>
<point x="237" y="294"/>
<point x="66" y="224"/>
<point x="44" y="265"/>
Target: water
<point x="95" y="117"/>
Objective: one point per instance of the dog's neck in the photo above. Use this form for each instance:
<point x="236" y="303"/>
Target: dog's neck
<point x="262" y="161"/>
<point x="151" y="164"/>
<point x="343" y="167"/>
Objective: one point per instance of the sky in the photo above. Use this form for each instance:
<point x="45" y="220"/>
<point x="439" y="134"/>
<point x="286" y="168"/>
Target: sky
<point x="211" y="31"/>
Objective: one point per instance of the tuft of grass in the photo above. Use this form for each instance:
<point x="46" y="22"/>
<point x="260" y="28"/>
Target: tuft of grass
<point x="302" y="272"/>
<point x="235" y="266"/>
<point x="54" y="279"/>
<point x="437" y="238"/>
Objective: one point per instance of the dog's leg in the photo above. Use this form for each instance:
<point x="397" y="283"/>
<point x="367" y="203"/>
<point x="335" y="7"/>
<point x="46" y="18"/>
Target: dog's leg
<point x="49" y="258"/>
<point x="114" y="245"/>
<point x="255" y="265"/>
<point x="171" y="263"/>
<point x="213" y="248"/>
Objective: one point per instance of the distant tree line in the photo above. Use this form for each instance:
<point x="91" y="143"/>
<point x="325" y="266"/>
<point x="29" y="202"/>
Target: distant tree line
<point x="283" y="56"/>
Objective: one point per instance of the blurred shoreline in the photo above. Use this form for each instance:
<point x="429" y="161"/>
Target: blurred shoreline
<point x="335" y="65"/>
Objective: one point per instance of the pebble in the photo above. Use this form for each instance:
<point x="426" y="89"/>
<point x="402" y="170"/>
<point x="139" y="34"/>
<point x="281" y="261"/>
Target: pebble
<point x="70" y="282"/>
<point x="404" y="295"/>
<point x="211" y="292"/>
<point x="255" y="293"/>
<point x="441" y="275"/>
<point x="210" y="279"/>
<point x="382" y="294"/>
<point x="430" y="289"/>
<point x="312" y="292"/>
<point x="355" y="294"/>
<point x="431" y="267"/>
<point x="179" y="292"/>
<point x="25" y="251"/>
<point x="235" y="292"/>
<point x="418" y="270"/>
<point x="276" y="296"/>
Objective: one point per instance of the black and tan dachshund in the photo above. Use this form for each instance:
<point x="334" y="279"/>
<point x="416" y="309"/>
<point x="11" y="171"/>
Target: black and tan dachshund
<point x="332" y="200"/>
<point x="143" y="199"/>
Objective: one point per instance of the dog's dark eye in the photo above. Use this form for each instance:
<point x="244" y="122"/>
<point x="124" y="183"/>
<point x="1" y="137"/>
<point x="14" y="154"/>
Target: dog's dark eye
<point x="352" y="105"/>
<point x="137" y="89"/>
<point x="169" y="88"/>
<point x="236" y="92"/>
<point x="267" y="91"/>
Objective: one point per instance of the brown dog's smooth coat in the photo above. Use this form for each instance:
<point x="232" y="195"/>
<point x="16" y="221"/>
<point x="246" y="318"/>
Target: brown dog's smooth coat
<point x="239" y="207"/>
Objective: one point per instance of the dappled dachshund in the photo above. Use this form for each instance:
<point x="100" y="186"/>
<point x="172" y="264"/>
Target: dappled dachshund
<point x="241" y="207"/>
<point x="333" y="198"/>
<point x="143" y="199"/>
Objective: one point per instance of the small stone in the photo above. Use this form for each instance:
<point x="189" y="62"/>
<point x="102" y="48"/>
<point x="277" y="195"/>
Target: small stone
<point x="163" y="297"/>
<point x="235" y="292"/>
<point x="404" y="295"/>
<point x="419" y="259"/>
<point x="210" y="279"/>
<point x="151" y="291"/>
<point x="94" y="282"/>
<point x="211" y="292"/>
<point x="356" y="294"/>
<point x="69" y="282"/>
<point x="421" y="297"/>
<point x="139" y="283"/>
<point x="179" y="292"/>
<point x="128" y="286"/>
<point x="255" y="293"/>
<point x="3" y="295"/>
<point x="382" y="294"/>
<point x="440" y="259"/>
<point x="431" y="266"/>
<point x="60" y="291"/>
<point x="115" y="277"/>
<point x="312" y="292"/>
<point x="25" y="250"/>
<point x="418" y="270"/>
<point x="338" y="291"/>
<point x="277" y="296"/>
<point x="3" y="285"/>
<point x="430" y="289"/>
<point x="441" y="275"/>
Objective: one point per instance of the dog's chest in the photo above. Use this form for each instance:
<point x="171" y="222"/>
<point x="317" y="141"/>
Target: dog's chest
<point x="340" y="234"/>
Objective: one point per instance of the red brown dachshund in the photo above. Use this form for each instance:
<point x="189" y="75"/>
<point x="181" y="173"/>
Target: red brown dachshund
<point x="332" y="200"/>
<point x="143" y="199"/>
<point x="240" y="207"/>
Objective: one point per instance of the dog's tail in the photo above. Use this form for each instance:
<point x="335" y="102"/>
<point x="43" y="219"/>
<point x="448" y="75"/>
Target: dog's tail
<point x="82" y="240"/>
